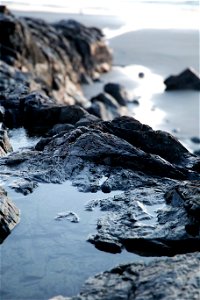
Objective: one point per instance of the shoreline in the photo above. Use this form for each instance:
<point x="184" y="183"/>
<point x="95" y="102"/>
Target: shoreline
<point x="162" y="52"/>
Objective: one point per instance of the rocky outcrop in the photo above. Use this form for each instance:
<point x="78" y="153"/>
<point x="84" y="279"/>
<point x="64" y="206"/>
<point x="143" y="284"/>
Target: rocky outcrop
<point x="5" y="146"/>
<point x="9" y="215"/>
<point x="172" y="278"/>
<point x="151" y="221"/>
<point x="188" y="79"/>
<point x="55" y="58"/>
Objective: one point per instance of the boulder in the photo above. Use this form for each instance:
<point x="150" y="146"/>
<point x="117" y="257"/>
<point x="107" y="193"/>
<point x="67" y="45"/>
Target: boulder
<point x="118" y="92"/>
<point x="151" y="221"/>
<point x="9" y="215"/>
<point x="186" y="80"/>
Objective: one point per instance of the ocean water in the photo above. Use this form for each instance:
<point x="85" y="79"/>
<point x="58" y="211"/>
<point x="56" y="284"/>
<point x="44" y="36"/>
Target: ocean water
<point x="135" y="13"/>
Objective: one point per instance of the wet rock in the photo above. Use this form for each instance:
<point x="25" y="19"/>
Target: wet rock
<point x="5" y="146"/>
<point x="106" y="107"/>
<point x="9" y="215"/>
<point x="23" y="186"/>
<point x="197" y="152"/>
<point x="68" y="215"/>
<point x="151" y="221"/>
<point x="188" y="79"/>
<point x="144" y="137"/>
<point x="51" y="57"/>
<point x="195" y="140"/>
<point x="171" y="278"/>
<point x="118" y="92"/>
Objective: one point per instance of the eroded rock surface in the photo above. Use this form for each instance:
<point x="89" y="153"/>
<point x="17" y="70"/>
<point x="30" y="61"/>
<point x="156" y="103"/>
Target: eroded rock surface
<point x="54" y="58"/>
<point x="159" y="220"/>
<point x="172" y="278"/>
<point x="9" y="215"/>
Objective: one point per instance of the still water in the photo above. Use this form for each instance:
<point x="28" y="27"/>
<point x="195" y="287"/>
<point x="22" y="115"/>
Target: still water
<point x="44" y="257"/>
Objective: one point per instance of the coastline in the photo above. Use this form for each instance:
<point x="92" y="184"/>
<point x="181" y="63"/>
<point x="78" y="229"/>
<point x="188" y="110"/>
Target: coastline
<point x="162" y="52"/>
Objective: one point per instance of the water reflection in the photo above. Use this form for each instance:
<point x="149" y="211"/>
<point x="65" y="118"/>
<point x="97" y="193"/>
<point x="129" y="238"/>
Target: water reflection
<point x="42" y="257"/>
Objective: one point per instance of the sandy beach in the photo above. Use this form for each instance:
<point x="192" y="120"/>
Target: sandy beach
<point x="157" y="53"/>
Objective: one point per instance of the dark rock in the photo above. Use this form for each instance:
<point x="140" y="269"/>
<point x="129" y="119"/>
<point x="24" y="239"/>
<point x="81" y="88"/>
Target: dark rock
<point x="171" y="278"/>
<point x="195" y="140"/>
<point x="141" y="75"/>
<point x="9" y="215"/>
<point x="142" y="223"/>
<point x="188" y="79"/>
<point x="118" y="92"/>
<point x="53" y="58"/>
<point x="106" y="107"/>
<point x="144" y="137"/>
<point x="59" y="128"/>
<point x="197" y="152"/>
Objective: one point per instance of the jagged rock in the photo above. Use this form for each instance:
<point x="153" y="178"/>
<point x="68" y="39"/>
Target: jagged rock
<point x="23" y="186"/>
<point x="9" y="215"/>
<point x="52" y="57"/>
<point x="144" y="137"/>
<point x="118" y="92"/>
<point x="171" y="278"/>
<point x="188" y="79"/>
<point x="151" y="221"/>
<point x="5" y="146"/>
<point x="38" y="113"/>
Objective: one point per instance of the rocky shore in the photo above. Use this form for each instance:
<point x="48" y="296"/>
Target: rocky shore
<point x="84" y="140"/>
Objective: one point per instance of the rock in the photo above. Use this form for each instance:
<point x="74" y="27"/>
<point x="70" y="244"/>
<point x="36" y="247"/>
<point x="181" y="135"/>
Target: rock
<point x="171" y="278"/>
<point x="9" y="215"/>
<point x="150" y="221"/>
<point x="144" y="137"/>
<point x="118" y="92"/>
<point x="23" y="186"/>
<point x="141" y="75"/>
<point x="68" y="215"/>
<point x="106" y="107"/>
<point x="195" y="140"/>
<point x="39" y="113"/>
<point x="188" y="79"/>
<point x="51" y="57"/>
<point x="5" y="146"/>
<point x="197" y="152"/>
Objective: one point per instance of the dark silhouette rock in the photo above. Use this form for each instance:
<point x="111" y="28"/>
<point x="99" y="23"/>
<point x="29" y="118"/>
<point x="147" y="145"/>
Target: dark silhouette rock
<point x="118" y="92"/>
<point x="9" y="215"/>
<point x="195" y="140"/>
<point x="144" y="137"/>
<point x="188" y="79"/>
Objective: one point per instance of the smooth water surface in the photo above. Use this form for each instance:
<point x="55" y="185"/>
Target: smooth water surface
<point x="44" y="257"/>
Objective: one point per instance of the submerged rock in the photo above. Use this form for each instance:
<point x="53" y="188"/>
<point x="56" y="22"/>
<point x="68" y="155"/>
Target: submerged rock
<point x="172" y="278"/>
<point x="9" y="215"/>
<point x="188" y="79"/>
